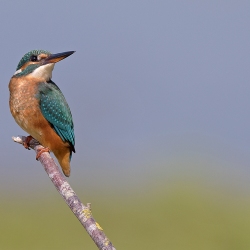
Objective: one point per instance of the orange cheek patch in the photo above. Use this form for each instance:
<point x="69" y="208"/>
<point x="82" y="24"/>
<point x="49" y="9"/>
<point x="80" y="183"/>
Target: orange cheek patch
<point x="27" y="64"/>
<point x="42" y="56"/>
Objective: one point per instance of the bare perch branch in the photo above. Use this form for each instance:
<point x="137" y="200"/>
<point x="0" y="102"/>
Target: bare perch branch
<point x="82" y="212"/>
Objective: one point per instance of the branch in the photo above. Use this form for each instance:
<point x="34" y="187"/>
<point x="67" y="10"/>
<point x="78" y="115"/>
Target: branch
<point x="82" y="212"/>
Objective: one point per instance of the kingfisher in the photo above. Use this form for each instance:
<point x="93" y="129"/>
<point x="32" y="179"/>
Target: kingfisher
<point x="40" y="108"/>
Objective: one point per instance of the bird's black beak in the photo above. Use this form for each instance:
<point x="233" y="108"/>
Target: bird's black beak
<point x="54" y="58"/>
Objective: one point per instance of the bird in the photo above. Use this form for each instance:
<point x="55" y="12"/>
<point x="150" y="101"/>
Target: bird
<point x="40" y="108"/>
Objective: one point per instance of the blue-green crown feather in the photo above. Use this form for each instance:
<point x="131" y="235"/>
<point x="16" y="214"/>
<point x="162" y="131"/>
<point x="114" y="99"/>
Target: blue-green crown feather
<point x="56" y="110"/>
<point x="27" y="56"/>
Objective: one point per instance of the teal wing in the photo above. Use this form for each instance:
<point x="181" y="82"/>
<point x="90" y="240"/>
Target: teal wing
<point x="55" y="109"/>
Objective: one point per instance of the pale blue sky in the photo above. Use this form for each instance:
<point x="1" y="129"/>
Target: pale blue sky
<point x="151" y="82"/>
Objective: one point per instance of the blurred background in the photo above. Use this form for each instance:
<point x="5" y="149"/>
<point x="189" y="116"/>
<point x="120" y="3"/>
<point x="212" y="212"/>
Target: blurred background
<point x="159" y="92"/>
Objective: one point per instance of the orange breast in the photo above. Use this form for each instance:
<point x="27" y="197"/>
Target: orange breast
<point x="24" y="106"/>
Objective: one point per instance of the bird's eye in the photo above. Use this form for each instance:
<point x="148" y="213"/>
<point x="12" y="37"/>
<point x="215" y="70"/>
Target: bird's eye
<point x="33" y="58"/>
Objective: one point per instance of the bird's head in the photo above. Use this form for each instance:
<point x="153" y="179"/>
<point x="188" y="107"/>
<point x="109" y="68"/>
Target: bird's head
<point x="39" y="63"/>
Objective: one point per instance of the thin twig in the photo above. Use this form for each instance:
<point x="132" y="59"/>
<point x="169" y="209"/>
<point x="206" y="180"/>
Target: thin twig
<point x="82" y="212"/>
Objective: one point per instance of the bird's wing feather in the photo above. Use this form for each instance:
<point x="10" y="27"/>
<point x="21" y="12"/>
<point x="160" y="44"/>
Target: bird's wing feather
<point x="55" y="109"/>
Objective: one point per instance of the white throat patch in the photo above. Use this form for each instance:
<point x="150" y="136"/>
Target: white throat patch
<point x="18" y="71"/>
<point x="44" y="71"/>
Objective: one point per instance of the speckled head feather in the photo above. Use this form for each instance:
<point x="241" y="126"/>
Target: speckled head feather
<point x="27" y="56"/>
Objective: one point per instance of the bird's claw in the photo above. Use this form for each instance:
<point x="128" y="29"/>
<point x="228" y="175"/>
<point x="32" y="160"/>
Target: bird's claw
<point x="26" y="143"/>
<point x="43" y="150"/>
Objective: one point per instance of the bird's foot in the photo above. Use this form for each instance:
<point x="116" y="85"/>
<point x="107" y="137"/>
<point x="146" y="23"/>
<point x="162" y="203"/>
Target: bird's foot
<point x="26" y="143"/>
<point x="43" y="150"/>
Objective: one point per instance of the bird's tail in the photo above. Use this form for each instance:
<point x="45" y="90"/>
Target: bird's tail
<point x="64" y="160"/>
